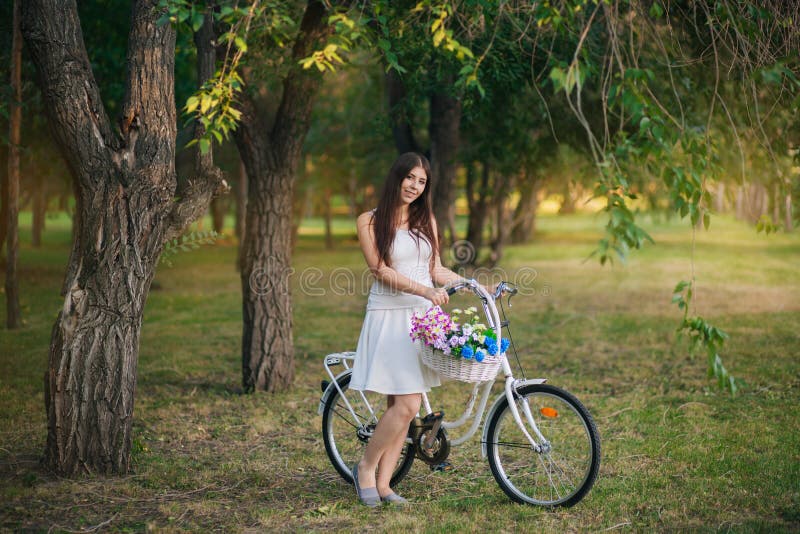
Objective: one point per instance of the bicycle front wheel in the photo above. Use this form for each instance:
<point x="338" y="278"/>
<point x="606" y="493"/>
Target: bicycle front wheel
<point x="346" y="438"/>
<point x="564" y="472"/>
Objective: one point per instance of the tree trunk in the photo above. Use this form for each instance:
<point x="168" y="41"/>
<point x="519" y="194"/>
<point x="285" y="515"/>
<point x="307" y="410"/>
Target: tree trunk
<point x="502" y="218"/>
<point x="218" y="209"/>
<point x="39" y="209"/>
<point x="267" y="345"/>
<point x="740" y="212"/>
<point x="3" y="199"/>
<point x="13" y="318"/>
<point x="402" y="132"/>
<point x="204" y="163"/>
<point x="445" y="120"/>
<point x="787" y="213"/>
<point x="719" y="198"/>
<point x="568" y="205"/>
<point x="271" y="157"/>
<point x="241" y="211"/>
<point x="761" y="197"/>
<point x="524" y="222"/>
<point x="241" y="200"/>
<point x="328" y="219"/>
<point x="125" y="210"/>
<point x="478" y="206"/>
<point x="775" y="201"/>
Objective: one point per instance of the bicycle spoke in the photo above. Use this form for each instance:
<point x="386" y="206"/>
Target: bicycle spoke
<point x="345" y="416"/>
<point x="510" y="444"/>
<point x="560" y="475"/>
<point x="346" y="421"/>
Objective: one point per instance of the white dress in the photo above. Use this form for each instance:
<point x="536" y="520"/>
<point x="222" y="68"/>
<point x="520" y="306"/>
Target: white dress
<point x="387" y="360"/>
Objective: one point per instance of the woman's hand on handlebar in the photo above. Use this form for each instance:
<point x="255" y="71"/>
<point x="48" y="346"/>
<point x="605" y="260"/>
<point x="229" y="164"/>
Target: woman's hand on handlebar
<point x="437" y="295"/>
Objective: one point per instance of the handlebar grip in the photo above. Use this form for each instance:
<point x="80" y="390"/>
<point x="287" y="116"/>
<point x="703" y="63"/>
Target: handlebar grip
<point x="451" y="291"/>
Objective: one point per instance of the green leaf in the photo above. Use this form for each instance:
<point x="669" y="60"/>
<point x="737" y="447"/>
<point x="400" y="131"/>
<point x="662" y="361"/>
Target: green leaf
<point x="205" y="145"/>
<point x="437" y="37"/>
<point x="240" y="43"/>
<point x="557" y="76"/>
<point x="197" y="21"/>
<point x="656" y="11"/>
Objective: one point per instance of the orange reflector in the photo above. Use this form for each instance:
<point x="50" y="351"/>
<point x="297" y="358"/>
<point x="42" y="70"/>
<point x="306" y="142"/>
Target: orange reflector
<point x="549" y="412"/>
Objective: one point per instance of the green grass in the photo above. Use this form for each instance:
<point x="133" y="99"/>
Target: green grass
<point x="678" y="455"/>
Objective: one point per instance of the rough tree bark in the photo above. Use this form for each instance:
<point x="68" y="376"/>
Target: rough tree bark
<point x="125" y="184"/>
<point x="13" y="318"/>
<point x="271" y="156"/>
<point x="445" y="121"/>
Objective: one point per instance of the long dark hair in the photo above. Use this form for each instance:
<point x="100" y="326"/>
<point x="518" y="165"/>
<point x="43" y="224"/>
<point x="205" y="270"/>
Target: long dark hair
<point x="420" y="213"/>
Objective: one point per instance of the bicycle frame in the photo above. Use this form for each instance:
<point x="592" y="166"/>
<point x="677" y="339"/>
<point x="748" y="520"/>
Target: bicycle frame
<point x="511" y="385"/>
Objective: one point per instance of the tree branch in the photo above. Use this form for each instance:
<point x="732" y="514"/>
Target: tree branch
<point x="209" y="180"/>
<point x="300" y="86"/>
<point x="73" y="105"/>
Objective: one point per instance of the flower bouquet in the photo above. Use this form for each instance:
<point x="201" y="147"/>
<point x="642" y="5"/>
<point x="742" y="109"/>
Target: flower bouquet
<point x="466" y="350"/>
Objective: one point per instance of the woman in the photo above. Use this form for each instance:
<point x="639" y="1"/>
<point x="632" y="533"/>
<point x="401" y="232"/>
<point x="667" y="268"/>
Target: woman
<point x="399" y="242"/>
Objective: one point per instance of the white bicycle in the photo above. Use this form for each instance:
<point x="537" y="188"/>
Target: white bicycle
<point x="542" y="444"/>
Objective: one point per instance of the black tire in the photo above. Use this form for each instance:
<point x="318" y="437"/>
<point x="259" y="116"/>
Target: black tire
<point x="340" y="431"/>
<point x="561" y="476"/>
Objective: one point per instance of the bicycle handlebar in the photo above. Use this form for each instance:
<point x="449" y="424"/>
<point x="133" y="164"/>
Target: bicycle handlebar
<point x="502" y="287"/>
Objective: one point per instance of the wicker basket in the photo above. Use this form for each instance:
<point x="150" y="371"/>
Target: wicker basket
<point x="458" y="368"/>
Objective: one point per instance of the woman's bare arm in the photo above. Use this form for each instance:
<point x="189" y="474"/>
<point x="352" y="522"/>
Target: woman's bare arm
<point x="384" y="273"/>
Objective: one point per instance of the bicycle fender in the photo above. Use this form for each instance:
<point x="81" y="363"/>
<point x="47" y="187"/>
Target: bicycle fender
<point x="496" y="406"/>
<point x="330" y="389"/>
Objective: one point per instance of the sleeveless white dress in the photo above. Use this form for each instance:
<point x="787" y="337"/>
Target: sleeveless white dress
<point x="387" y="360"/>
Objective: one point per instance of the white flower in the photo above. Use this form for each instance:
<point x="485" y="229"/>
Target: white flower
<point x="466" y="329"/>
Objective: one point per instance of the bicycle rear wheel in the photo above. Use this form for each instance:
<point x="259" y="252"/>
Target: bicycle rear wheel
<point x="560" y="476"/>
<point x="346" y="439"/>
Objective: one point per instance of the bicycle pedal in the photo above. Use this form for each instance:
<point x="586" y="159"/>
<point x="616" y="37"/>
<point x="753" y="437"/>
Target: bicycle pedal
<point x="433" y="416"/>
<point x="442" y="467"/>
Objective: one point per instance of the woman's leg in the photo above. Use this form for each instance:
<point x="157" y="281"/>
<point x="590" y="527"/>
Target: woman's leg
<point x="388" y="461"/>
<point x="386" y="443"/>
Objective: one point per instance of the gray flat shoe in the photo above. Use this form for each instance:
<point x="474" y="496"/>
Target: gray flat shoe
<point x="395" y="499"/>
<point x="368" y="496"/>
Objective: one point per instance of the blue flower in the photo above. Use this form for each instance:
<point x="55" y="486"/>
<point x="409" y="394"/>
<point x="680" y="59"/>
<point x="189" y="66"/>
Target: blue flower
<point x="479" y="356"/>
<point x="466" y="352"/>
<point x="491" y="346"/>
<point x="504" y="344"/>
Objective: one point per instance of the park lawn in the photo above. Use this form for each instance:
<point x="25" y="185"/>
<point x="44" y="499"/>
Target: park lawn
<point x="678" y="454"/>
